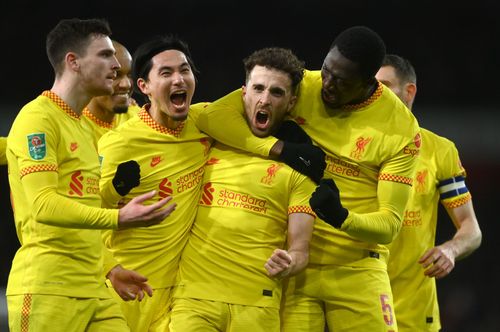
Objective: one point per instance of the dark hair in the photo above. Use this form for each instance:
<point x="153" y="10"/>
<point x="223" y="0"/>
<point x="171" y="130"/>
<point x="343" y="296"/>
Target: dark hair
<point x="141" y="61"/>
<point x="402" y="67"/>
<point x="73" y="35"/>
<point x="363" y="46"/>
<point x="276" y="58"/>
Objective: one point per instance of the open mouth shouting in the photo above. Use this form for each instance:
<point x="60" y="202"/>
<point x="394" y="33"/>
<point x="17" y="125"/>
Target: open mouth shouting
<point x="262" y="119"/>
<point x="178" y="100"/>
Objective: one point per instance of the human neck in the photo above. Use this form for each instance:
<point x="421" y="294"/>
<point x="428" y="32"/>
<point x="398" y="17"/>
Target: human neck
<point x="163" y="119"/>
<point x="99" y="112"/>
<point x="71" y="93"/>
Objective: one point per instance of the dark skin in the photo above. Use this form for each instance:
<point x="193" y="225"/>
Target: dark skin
<point x="343" y="85"/>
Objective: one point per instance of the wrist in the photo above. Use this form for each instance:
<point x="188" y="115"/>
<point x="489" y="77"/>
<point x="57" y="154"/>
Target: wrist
<point x="113" y="271"/>
<point x="276" y="149"/>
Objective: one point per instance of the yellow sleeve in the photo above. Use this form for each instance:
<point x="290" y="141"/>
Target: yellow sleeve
<point x="3" y="148"/>
<point x="223" y="120"/>
<point x="112" y="150"/>
<point x="384" y="225"/>
<point x="48" y="207"/>
<point x="393" y="192"/>
<point x="109" y="261"/>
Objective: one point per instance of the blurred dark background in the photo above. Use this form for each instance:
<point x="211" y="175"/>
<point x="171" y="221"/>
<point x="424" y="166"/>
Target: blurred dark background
<point x="454" y="48"/>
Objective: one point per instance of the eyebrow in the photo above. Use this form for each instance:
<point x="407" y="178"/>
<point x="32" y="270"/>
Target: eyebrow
<point x="184" y="64"/>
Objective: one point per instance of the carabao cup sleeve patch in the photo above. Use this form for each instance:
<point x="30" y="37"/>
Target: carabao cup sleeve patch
<point x="37" y="146"/>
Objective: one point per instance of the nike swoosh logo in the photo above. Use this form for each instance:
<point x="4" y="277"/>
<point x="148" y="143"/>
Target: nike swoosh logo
<point x="155" y="162"/>
<point x="306" y="162"/>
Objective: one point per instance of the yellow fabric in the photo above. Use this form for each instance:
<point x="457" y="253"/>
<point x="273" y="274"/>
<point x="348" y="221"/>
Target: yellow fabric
<point x="230" y="127"/>
<point x="97" y="127"/>
<point x="332" y="294"/>
<point x="242" y="218"/>
<point x="3" y="148"/>
<point x="204" y="316"/>
<point x="42" y="313"/>
<point x="371" y="154"/>
<point x="415" y="294"/>
<point x="152" y="314"/>
<point x="53" y="175"/>
<point x="172" y="163"/>
<point x="366" y="147"/>
<point x="371" y="150"/>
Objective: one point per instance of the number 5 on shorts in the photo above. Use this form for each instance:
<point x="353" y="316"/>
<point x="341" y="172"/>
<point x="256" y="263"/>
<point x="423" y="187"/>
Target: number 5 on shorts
<point x="386" y="309"/>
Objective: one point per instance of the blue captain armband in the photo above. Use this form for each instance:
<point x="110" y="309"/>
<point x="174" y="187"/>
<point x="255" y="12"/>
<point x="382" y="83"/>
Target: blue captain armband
<point x="452" y="187"/>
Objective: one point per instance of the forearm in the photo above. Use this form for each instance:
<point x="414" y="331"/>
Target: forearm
<point x="56" y="210"/>
<point x="49" y="207"/>
<point x="300" y="259"/>
<point x="276" y="149"/>
<point x="377" y="227"/>
<point x="466" y="240"/>
<point x="109" y="196"/>
<point x="300" y="228"/>
<point x="223" y="120"/>
<point x="468" y="236"/>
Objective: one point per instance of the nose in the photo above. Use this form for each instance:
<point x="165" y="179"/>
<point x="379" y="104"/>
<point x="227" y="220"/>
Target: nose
<point x="177" y="78"/>
<point x="116" y="65"/>
<point x="264" y="97"/>
<point x="125" y="83"/>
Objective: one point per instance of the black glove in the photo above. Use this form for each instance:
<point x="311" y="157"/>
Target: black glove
<point x="290" y="131"/>
<point x="306" y="158"/>
<point x="127" y="176"/>
<point x="325" y="202"/>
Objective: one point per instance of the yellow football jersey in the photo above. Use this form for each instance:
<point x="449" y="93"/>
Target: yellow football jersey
<point x="371" y="151"/>
<point x="3" y="148"/>
<point x="98" y="127"/>
<point x="368" y="146"/>
<point x="242" y="218"/>
<point x="439" y="177"/>
<point x="172" y="163"/>
<point x="60" y="252"/>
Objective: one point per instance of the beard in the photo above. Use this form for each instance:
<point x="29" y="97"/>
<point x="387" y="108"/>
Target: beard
<point x="120" y="109"/>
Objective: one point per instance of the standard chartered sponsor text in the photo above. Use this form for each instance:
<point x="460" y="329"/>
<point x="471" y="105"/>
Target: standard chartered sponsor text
<point x="230" y="198"/>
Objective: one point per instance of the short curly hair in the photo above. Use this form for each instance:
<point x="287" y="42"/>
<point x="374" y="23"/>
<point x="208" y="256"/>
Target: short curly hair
<point x="276" y="58"/>
<point x="363" y="46"/>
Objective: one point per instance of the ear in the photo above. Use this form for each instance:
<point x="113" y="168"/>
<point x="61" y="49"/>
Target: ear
<point x="142" y="85"/>
<point x="291" y="104"/>
<point x="72" y="61"/>
<point x="410" y="91"/>
<point x="243" y="90"/>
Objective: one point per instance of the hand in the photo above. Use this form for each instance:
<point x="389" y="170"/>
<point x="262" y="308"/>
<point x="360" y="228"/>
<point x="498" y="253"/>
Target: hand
<point x="325" y="202"/>
<point x="305" y="158"/>
<point x="279" y="264"/>
<point x="290" y="131"/>
<point x="135" y="214"/>
<point x="129" y="284"/>
<point x="438" y="262"/>
<point x="127" y="176"/>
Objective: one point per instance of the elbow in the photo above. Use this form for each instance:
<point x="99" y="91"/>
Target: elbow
<point x="40" y="209"/>
<point x="392" y="231"/>
<point x="478" y="238"/>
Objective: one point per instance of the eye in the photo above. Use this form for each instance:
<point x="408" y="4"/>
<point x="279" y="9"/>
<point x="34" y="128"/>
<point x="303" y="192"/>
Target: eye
<point x="277" y="92"/>
<point x="258" y="88"/>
